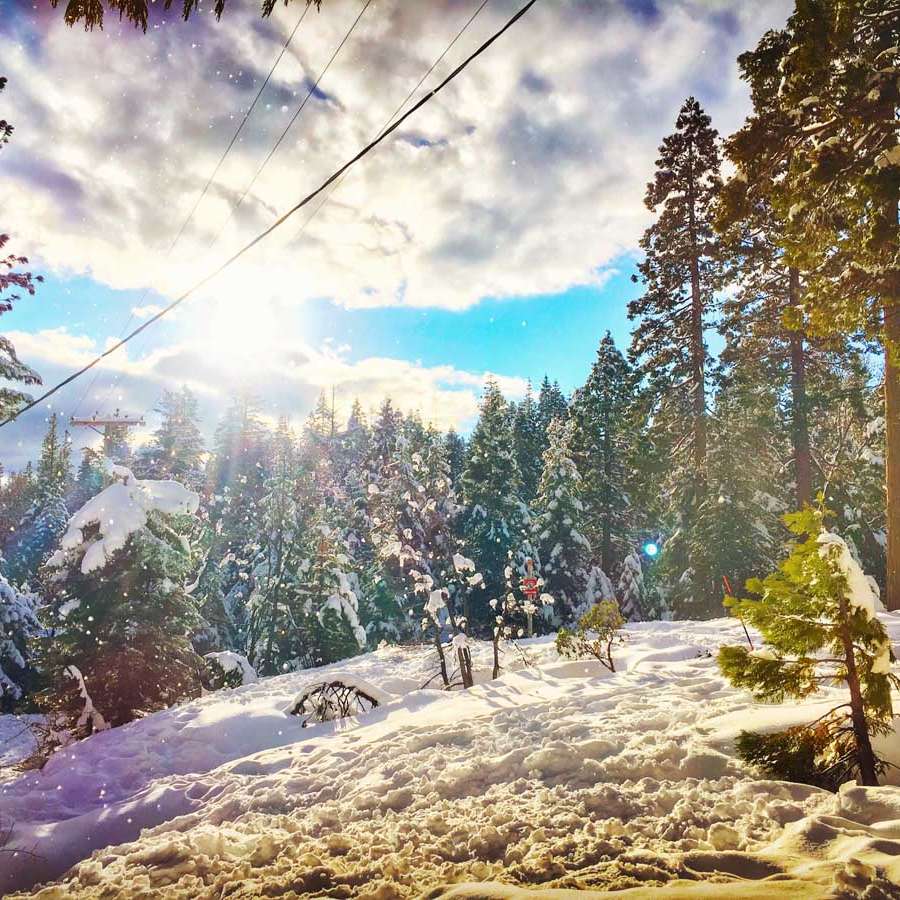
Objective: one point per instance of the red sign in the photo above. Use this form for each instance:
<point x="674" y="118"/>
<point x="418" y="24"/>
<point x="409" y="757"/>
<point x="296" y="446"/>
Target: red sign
<point x="529" y="587"/>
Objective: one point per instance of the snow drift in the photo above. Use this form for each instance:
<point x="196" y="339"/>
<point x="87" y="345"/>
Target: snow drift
<point x="557" y="775"/>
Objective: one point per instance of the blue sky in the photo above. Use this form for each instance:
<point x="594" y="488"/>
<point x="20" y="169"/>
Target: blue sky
<point x="495" y="233"/>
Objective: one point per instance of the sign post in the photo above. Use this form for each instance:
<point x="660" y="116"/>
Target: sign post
<point x="529" y="585"/>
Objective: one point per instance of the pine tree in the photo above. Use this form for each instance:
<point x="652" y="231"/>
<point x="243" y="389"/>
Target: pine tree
<point x="455" y="450"/>
<point x="385" y="431"/>
<point x="825" y="96"/>
<point x="236" y="479"/>
<point x="606" y="416"/>
<point x="565" y="552"/>
<point x="414" y="510"/>
<point x="529" y="437"/>
<point x="495" y="521"/>
<point x="88" y="478"/>
<point x="275" y="638"/>
<point x="552" y="405"/>
<point x="630" y="589"/>
<point x="46" y="520"/>
<point x="681" y="272"/>
<point x="176" y="448"/>
<point x="817" y="614"/>
<point x="17" y="496"/>
<point x="328" y="592"/>
<point x="19" y="628"/>
<point x="118" y="614"/>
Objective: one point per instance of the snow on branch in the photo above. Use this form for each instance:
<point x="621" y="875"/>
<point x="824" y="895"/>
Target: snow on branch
<point x="119" y="511"/>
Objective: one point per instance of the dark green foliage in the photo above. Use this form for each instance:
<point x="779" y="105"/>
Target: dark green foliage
<point x="125" y="627"/>
<point x="816" y="613"/>
<point x="607" y="416"/>
<point x="529" y="435"/>
<point x="215" y="677"/>
<point x="495" y="517"/>
<point x="552" y="404"/>
<point x="681" y="272"/>
<point x="46" y="518"/>
<point x="810" y="754"/>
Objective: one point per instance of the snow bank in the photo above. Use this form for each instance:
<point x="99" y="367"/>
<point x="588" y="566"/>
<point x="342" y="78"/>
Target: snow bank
<point x="546" y="777"/>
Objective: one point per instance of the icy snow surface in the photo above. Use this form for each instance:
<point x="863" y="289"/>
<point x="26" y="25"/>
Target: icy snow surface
<point x="560" y="775"/>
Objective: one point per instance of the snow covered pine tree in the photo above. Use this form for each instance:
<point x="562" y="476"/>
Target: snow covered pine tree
<point x="119" y="615"/>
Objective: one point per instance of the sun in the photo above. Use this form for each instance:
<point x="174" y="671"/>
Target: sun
<point x="242" y="332"/>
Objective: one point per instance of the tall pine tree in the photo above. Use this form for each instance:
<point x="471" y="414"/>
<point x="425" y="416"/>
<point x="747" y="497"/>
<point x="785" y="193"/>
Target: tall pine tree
<point x="681" y="272"/>
<point x="825" y="94"/>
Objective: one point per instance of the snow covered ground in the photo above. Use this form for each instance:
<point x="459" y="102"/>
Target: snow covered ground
<point x="558" y="775"/>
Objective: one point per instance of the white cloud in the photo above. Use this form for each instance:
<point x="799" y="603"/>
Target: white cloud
<point x="145" y="312"/>
<point x="288" y="378"/>
<point x="525" y="177"/>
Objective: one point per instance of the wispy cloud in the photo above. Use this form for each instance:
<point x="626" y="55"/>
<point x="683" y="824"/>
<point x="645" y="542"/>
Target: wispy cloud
<point x="288" y="378"/>
<point x="525" y="177"/>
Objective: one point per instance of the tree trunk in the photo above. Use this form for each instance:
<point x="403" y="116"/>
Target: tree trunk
<point x="865" y="755"/>
<point x="606" y="548"/>
<point x="698" y="350"/>
<point x="892" y="451"/>
<point x="440" y="652"/>
<point x="799" y="405"/>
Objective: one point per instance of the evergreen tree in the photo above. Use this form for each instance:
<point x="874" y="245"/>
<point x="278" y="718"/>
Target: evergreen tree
<point x="46" y="520"/>
<point x="328" y="591"/>
<point x="176" y="449"/>
<point x="118" y="613"/>
<point x="558" y="525"/>
<point x="681" y="272"/>
<point x="630" y="589"/>
<point x="275" y="638"/>
<point x="455" y="450"/>
<point x="19" y="628"/>
<point x="385" y="431"/>
<point x="817" y="614"/>
<point x="236" y="479"/>
<point x="529" y="437"/>
<point x="413" y="514"/>
<point x="88" y="478"/>
<point x="551" y="405"/>
<point x="495" y="520"/>
<point x="606" y="417"/>
<point x="825" y="95"/>
<point x="17" y="496"/>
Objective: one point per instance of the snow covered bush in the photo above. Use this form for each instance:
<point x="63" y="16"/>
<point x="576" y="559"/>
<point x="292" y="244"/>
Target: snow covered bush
<point x="817" y="615"/>
<point x="19" y="627"/>
<point x="339" y="698"/>
<point x="227" y="669"/>
<point x="119" y="614"/>
<point x="595" y="635"/>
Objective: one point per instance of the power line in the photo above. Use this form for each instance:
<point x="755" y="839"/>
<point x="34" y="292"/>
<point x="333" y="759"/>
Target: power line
<point x="209" y="181"/>
<point x="281" y="219"/>
<point x="287" y="128"/>
<point x="269" y="156"/>
<point x="390" y="118"/>
<point x="240" y="127"/>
